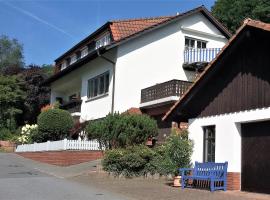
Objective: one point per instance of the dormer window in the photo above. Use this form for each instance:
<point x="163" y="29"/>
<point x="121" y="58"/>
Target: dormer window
<point x="68" y="61"/>
<point x="79" y="54"/>
<point x="91" y="46"/>
<point x="63" y="66"/>
<point x="73" y="59"/>
<point x="84" y="52"/>
<point x="105" y="40"/>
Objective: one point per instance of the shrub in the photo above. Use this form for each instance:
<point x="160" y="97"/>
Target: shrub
<point x="177" y="150"/>
<point x="132" y="161"/>
<point x="141" y="160"/>
<point x="122" y="130"/>
<point x="28" y="132"/>
<point x="5" y="134"/>
<point x="53" y="124"/>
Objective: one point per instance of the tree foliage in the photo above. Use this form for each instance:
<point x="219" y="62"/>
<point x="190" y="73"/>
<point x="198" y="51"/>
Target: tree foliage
<point x="11" y="99"/>
<point x="232" y="12"/>
<point x="11" y="55"/>
<point x="121" y="130"/>
<point x="36" y="95"/>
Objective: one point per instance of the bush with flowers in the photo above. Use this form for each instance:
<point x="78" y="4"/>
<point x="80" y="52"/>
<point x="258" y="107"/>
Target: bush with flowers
<point x="27" y="133"/>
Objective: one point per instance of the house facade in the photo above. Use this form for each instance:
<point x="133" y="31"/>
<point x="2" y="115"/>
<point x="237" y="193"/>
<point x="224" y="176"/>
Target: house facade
<point x="143" y="63"/>
<point x="231" y="122"/>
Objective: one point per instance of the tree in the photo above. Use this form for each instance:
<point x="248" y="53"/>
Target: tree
<point x="11" y="99"/>
<point x="232" y="12"/>
<point x="11" y="56"/>
<point x="36" y="95"/>
<point x="47" y="69"/>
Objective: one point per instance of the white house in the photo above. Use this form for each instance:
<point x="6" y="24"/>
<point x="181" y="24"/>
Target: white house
<point x="142" y="63"/>
<point x="228" y="109"/>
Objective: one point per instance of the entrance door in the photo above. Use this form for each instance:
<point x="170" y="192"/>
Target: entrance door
<point x="255" y="176"/>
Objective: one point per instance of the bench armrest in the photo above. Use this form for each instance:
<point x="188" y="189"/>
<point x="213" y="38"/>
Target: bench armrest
<point x="183" y="170"/>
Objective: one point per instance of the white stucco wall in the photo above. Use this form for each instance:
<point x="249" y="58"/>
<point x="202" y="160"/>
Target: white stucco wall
<point x="100" y="107"/>
<point x="152" y="58"/>
<point x="157" y="57"/>
<point x="78" y="81"/>
<point x="228" y="135"/>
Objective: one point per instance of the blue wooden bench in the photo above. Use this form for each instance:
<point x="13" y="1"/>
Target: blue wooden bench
<point x="213" y="173"/>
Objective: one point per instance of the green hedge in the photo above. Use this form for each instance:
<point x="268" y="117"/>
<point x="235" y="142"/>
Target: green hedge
<point x="122" y="130"/>
<point x="141" y="160"/>
<point x="53" y="124"/>
<point x="5" y="134"/>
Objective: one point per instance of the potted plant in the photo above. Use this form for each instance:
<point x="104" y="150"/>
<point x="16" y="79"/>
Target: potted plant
<point x="177" y="181"/>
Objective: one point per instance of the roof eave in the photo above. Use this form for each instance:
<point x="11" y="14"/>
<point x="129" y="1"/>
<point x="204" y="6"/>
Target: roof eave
<point x="201" y="9"/>
<point x="74" y="66"/>
<point x="99" y="30"/>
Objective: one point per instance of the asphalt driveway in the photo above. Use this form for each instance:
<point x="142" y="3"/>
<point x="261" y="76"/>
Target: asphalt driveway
<point x="24" y="179"/>
<point x="21" y="180"/>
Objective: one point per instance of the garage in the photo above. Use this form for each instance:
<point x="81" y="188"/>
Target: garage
<point x="255" y="176"/>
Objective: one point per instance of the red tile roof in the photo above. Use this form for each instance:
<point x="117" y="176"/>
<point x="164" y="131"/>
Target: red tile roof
<point x="124" y="28"/>
<point x="133" y="111"/>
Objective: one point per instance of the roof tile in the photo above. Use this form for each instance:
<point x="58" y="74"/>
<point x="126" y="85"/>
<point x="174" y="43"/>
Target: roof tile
<point x="122" y="29"/>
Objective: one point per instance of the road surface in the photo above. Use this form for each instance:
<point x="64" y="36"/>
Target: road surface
<point x="21" y="181"/>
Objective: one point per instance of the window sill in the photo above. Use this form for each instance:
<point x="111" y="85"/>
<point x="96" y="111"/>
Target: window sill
<point x="97" y="97"/>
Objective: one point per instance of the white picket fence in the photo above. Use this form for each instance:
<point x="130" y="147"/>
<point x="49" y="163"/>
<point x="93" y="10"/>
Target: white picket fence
<point x="60" y="145"/>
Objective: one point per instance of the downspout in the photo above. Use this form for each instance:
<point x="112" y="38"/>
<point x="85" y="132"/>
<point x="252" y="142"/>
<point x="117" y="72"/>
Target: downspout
<point x="113" y="74"/>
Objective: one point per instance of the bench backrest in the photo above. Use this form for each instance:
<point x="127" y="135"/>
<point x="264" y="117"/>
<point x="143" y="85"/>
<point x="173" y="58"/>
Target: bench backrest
<point x="211" y="169"/>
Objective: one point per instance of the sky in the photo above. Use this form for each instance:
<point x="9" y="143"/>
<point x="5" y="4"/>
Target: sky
<point x="48" y="28"/>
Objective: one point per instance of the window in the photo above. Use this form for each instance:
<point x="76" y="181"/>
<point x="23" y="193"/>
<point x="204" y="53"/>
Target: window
<point x="73" y="59"/>
<point x="98" y="85"/>
<point x="209" y="143"/>
<point x="63" y="66"/>
<point x="194" y="43"/>
<point x="78" y="54"/>
<point x="84" y="52"/>
<point x="189" y="43"/>
<point x="201" y="45"/>
<point x="91" y="46"/>
<point x="67" y="61"/>
<point x="105" y="40"/>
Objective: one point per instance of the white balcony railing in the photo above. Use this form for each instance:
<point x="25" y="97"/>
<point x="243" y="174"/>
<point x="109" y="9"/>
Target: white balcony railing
<point x="60" y="145"/>
<point x="200" y="55"/>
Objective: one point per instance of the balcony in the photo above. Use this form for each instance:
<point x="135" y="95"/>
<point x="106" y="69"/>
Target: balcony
<point x="163" y="93"/>
<point x="72" y="106"/>
<point x="197" y="59"/>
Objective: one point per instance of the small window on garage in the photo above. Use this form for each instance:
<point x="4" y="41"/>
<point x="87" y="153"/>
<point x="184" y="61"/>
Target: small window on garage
<point x="209" y="137"/>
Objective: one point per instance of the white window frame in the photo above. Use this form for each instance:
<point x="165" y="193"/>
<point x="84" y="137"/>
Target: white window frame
<point x="103" y="41"/>
<point x="63" y="65"/>
<point x="73" y="58"/>
<point x="84" y="52"/>
<point x="94" y="91"/>
<point x="209" y="140"/>
<point x="195" y="43"/>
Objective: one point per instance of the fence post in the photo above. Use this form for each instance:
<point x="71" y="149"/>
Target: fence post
<point x="65" y="144"/>
<point x="35" y="144"/>
<point x="48" y="145"/>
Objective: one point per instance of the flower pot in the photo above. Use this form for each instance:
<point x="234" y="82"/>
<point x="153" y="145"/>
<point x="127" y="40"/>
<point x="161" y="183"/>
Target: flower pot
<point x="177" y="181"/>
<point x="149" y="141"/>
